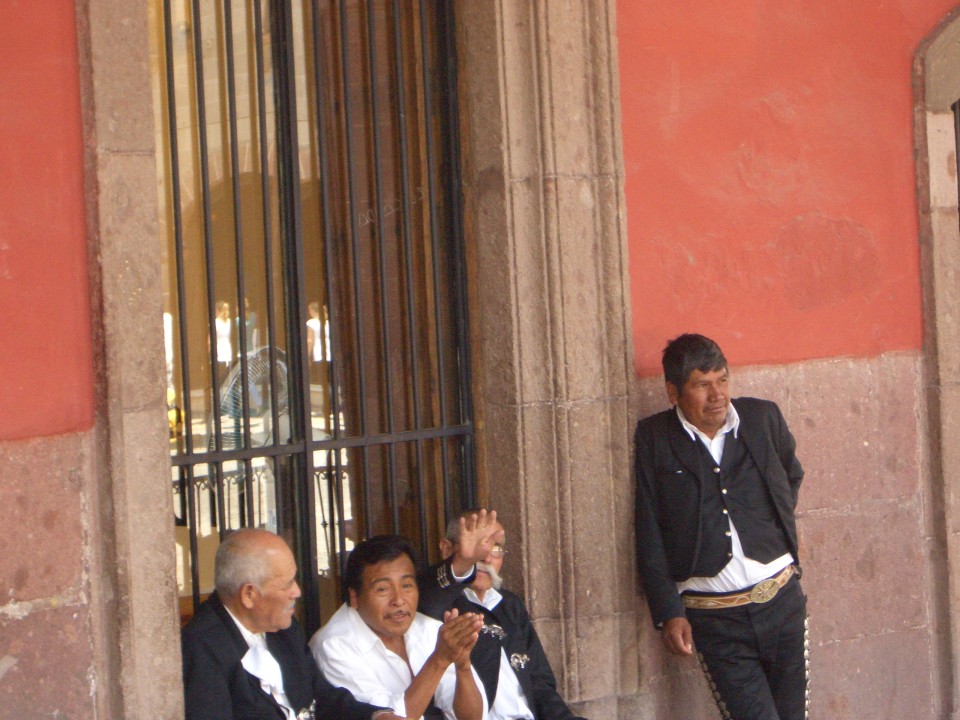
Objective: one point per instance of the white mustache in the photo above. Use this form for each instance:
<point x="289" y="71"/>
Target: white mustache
<point x="495" y="580"/>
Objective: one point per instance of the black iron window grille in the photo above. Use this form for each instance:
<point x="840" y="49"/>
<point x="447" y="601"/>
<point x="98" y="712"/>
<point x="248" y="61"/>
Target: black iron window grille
<point x="317" y="358"/>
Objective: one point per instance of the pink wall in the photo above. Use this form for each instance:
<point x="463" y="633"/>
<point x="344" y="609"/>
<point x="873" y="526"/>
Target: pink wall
<point x="770" y="176"/>
<point x="45" y="354"/>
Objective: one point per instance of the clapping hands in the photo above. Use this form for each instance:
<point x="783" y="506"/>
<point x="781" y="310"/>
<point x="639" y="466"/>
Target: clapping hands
<point x="457" y="637"/>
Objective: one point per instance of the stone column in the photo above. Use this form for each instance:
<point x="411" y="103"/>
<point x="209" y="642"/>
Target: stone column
<point x="131" y="544"/>
<point x="543" y="184"/>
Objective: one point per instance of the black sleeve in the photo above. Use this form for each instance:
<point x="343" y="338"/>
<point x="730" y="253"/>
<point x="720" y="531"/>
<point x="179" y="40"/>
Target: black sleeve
<point x="652" y="565"/>
<point x="439" y="589"/>
<point x="786" y="448"/>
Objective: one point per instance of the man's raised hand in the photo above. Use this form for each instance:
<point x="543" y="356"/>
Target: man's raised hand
<point x="479" y="532"/>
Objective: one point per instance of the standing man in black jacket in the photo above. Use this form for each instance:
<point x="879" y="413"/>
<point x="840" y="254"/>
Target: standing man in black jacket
<point x="717" y="483"/>
<point x="244" y="654"/>
<point x="508" y="656"/>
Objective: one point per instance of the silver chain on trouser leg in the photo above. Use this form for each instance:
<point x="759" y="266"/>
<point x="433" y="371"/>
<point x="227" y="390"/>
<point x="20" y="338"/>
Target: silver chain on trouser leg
<point x="722" y="706"/>
<point x="712" y="686"/>
<point x="806" y="667"/>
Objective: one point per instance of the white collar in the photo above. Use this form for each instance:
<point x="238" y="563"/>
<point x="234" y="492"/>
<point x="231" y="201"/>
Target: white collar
<point x="731" y="424"/>
<point x="252" y="639"/>
<point x="491" y="598"/>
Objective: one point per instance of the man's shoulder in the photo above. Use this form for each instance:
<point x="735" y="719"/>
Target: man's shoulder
<point x="205" y="621"/>
<point x="750" y="408"/>
<point x="338" y="626"/>
<point x="513" y="604"/>
<point x="208" y="636"/>
<point x="657" y="421"/>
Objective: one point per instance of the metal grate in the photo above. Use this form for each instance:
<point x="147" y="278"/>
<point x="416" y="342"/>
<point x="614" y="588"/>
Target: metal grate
<point x="317" y="359"/>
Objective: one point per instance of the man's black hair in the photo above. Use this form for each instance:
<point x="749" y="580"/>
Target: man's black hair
<point x="380" y="548"/>
<point x="687" y="353"/>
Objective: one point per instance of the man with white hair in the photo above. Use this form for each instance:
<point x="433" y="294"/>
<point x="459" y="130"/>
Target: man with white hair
<point x="508" y="656"/>
<point x="245" y="655"/>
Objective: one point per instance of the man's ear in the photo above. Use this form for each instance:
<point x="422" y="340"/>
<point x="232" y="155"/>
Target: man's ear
<point x="248" y="594"/>
<point x="352" y="598"/>
<point x="446" y="548"/>
<point x="673" y="394"/>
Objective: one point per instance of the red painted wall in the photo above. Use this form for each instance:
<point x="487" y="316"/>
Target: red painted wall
<point x="770" y="179"/>
<point x="46" y="371"/>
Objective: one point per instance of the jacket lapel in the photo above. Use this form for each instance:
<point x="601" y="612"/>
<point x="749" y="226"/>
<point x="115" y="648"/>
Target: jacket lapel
<point x="239" y="647"/>
<point x="684" y="447"/>
<point x="754" y="440"/>
<point x="296" y="685"/>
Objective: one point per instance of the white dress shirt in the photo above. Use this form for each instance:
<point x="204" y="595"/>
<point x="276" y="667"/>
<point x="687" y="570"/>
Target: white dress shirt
<point x="741" y="572"/>
<point x="351" y="655"/>
<point x="510" y="702"/>
<point x="261" y="663"/>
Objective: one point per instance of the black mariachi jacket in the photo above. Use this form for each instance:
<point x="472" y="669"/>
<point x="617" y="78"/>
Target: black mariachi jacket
<point x="217" y="687"/>
<point x="668" y="494"/>
<point x="439" y="592"/>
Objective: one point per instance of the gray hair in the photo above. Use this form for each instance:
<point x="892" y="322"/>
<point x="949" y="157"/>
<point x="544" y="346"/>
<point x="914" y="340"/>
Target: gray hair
<point x="241" y="559"/>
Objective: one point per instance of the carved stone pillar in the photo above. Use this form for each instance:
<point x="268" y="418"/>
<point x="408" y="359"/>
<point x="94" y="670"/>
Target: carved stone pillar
<point x="543" y="190"/>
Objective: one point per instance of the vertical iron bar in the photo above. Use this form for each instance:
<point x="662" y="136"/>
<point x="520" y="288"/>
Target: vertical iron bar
<point x="267" y="222"/>
<point x="192" y="532"/>
<point x="381" y="241"/>
<point x="458" y="269"/>
<point x="407" y="234"/>
<point x="435" y="247"/>
<point x="207" y="221"/>
<point x="238" y="250"/>
<point x="334" y="469"/>
<point x="221" y="498"/>
<point x="187" y="418"/>
<point x="237" y="216"/>
<point x="325" y="210"/>
<point x="292" y="221"/>
<point x="208" y="256"/>
<point x="355" y="255"/>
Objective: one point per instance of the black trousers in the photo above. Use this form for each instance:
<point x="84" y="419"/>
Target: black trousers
<point x="755" y="656"/>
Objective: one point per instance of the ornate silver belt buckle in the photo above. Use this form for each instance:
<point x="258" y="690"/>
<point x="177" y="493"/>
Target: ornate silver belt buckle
<point x="764" y="591"/>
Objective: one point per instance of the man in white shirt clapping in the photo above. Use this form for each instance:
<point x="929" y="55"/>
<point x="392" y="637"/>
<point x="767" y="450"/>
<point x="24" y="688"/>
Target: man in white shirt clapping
<point x="386" y="653"/>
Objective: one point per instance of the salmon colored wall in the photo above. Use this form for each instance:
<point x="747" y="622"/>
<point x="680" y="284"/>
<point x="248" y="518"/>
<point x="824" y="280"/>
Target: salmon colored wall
<point x="46" y="375"/>
<point x="770" y="177"/>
